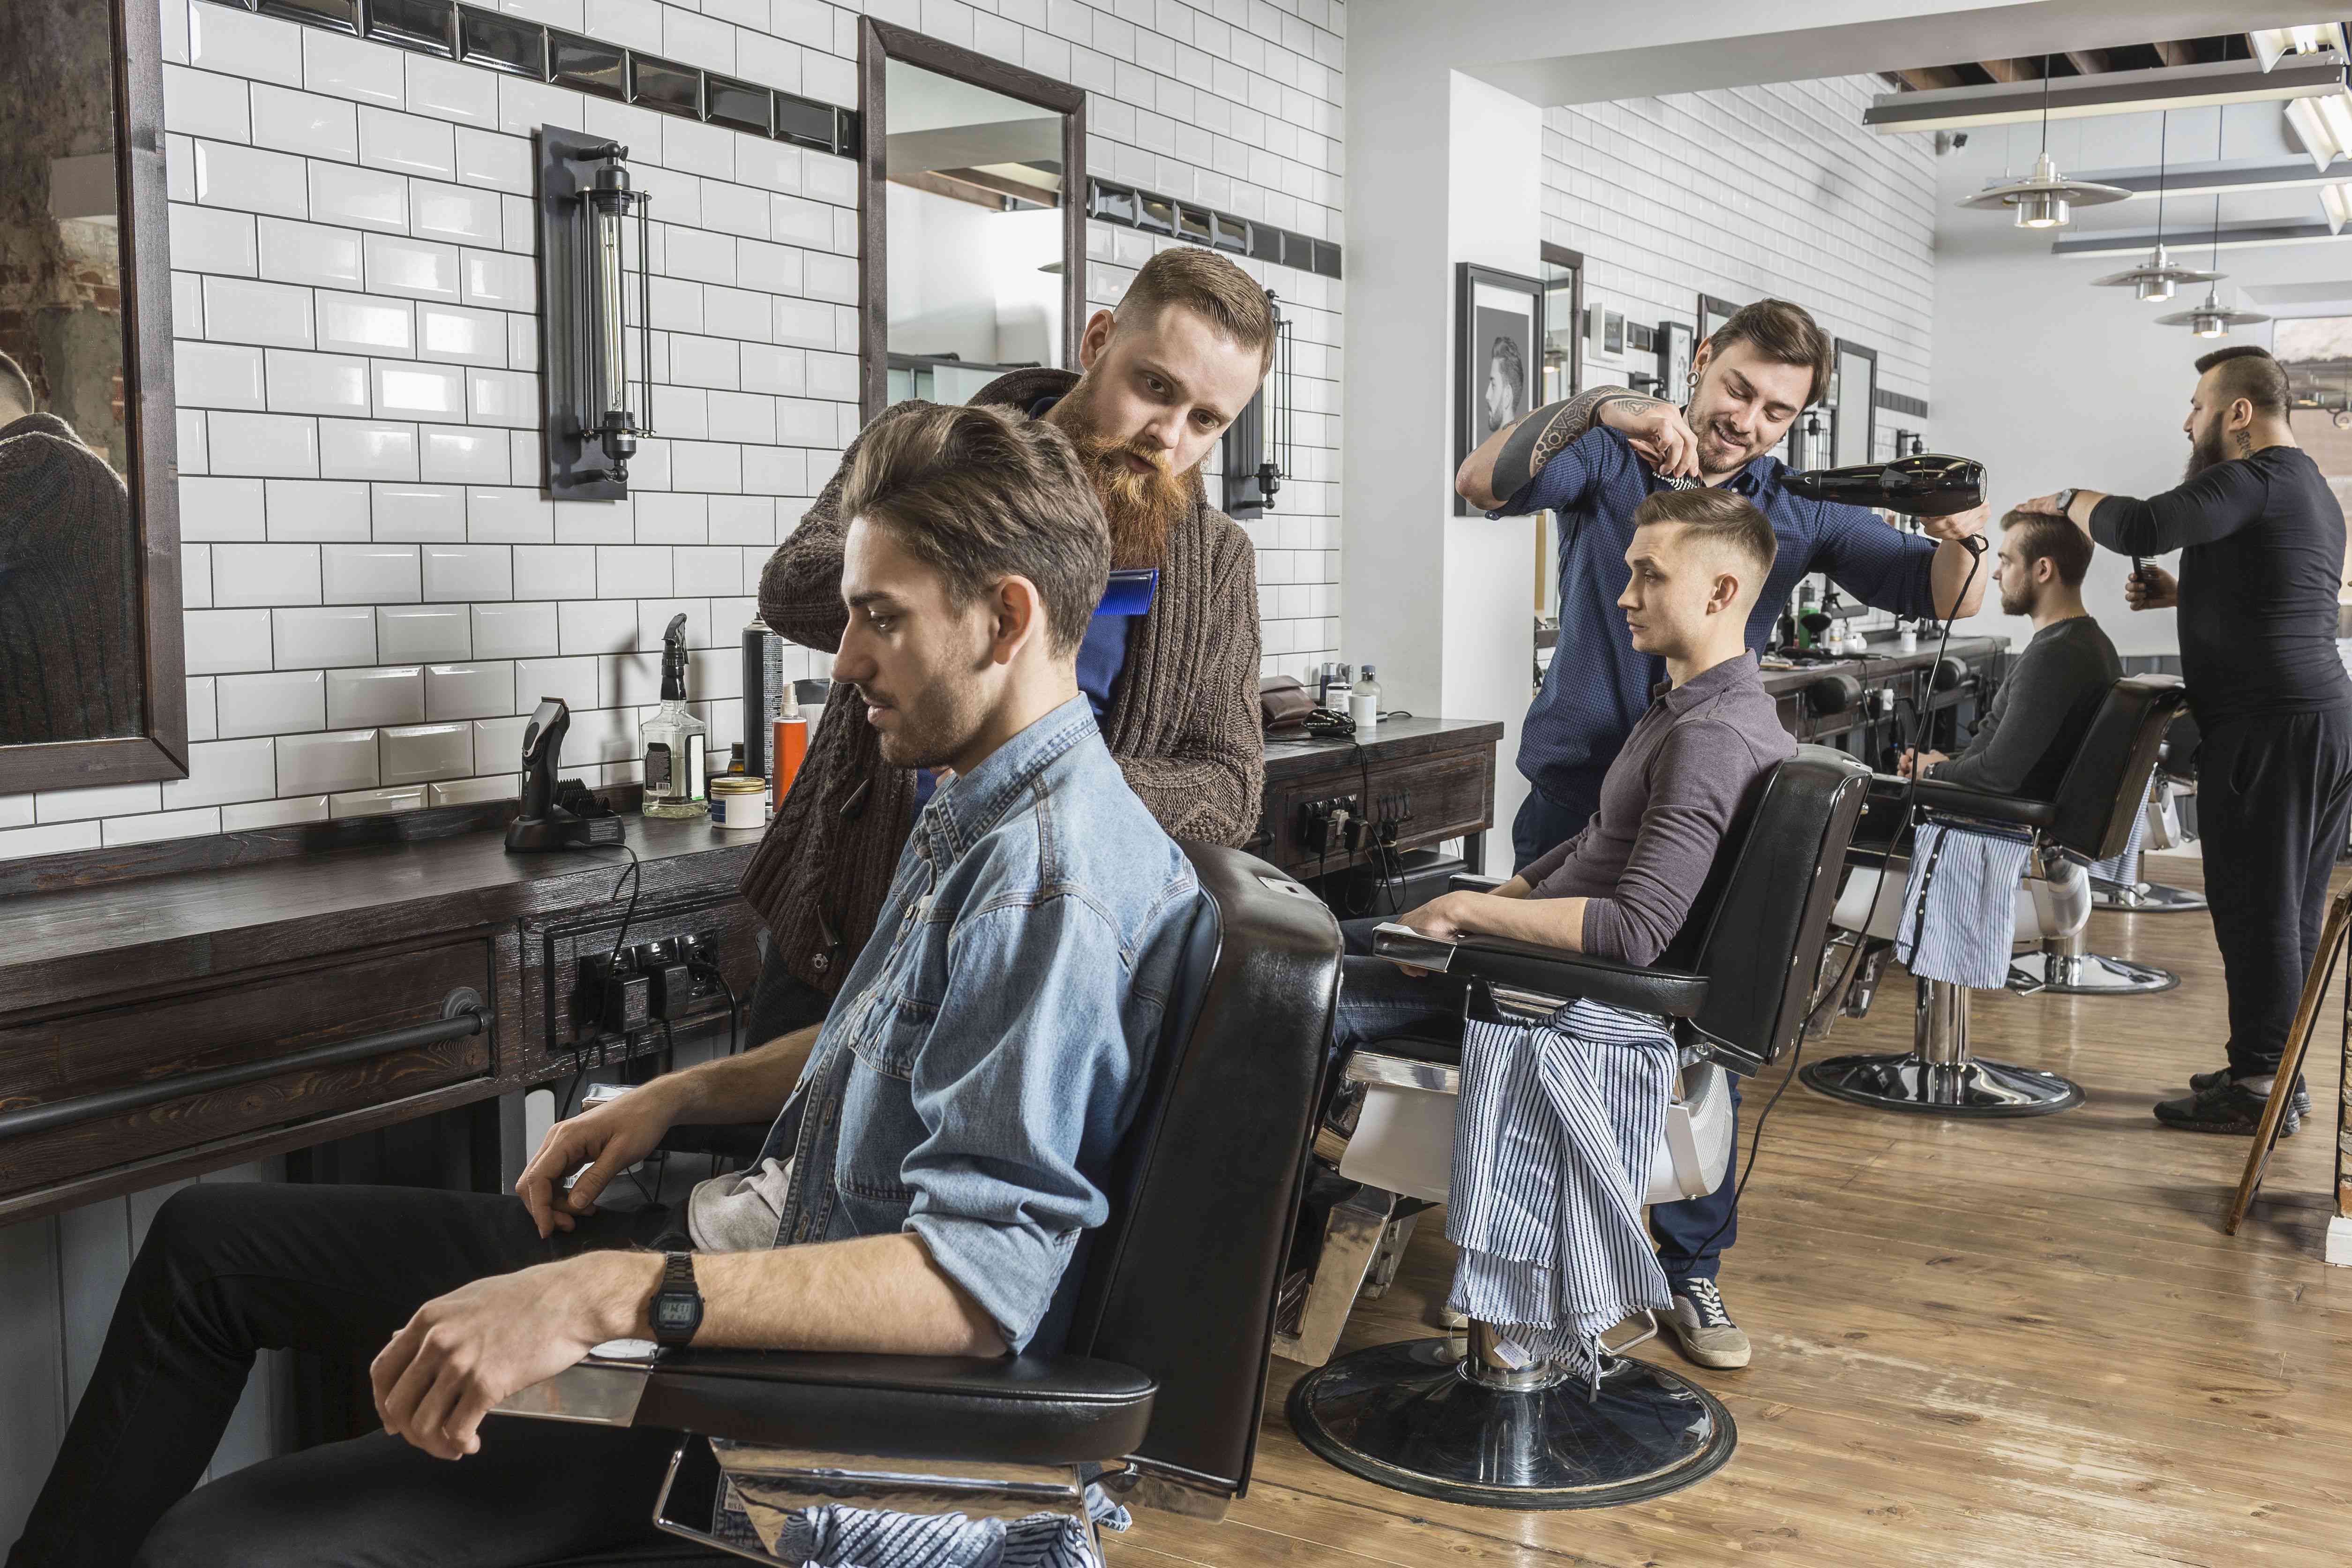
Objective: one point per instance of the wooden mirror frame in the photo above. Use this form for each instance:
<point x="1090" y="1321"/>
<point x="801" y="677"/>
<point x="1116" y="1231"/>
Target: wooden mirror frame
<point x="879" y="43"/>
<point x="161" y="750"/>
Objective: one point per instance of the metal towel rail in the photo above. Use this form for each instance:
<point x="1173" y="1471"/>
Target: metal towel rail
<point x="463" y="1012"/>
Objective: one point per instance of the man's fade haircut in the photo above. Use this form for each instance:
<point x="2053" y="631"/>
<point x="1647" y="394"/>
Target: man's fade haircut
<point x="1717" y="517"/>
<point x="2040" y="537"/>
<point x="1783" y="333"/>
<point x="980" y="495"/>
<point x="1506" y="352"/>
<point x="16" y="387"/>
<point x="1210" y="288"/>
<point x="2248" y="372"/>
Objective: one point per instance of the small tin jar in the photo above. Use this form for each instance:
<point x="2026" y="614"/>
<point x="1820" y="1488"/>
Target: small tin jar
<point x="739" y="800"/>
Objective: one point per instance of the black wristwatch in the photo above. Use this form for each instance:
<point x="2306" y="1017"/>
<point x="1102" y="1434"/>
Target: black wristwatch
<point x="2065" y="500"/>
<point x="676" y="1311"/>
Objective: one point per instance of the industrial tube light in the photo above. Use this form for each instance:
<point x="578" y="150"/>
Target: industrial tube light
<point x="595" y="413"/>
<point x="2271" y="45"/>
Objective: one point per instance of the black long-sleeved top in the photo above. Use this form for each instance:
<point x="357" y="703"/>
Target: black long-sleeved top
<point x="2025" y="741"/>
<point x="2262" y="542"/>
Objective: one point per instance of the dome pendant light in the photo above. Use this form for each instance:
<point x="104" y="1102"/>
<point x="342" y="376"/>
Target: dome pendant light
<point x="2213" y="318"/>
<point x="2155" y="278"/>
<point x="2045" y="201"/>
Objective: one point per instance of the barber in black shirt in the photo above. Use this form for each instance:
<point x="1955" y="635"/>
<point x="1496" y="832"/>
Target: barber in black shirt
<point x="2262" y="542"/>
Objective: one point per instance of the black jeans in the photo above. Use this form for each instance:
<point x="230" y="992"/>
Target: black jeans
<point x="229" y="1270"/>
<point x="2274" y="793"/>
<point x="780" y="1003"/>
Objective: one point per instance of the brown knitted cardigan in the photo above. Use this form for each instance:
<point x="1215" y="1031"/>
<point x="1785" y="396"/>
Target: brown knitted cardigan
<point x="1183" y="721"/>
<point x="69" y="639"/>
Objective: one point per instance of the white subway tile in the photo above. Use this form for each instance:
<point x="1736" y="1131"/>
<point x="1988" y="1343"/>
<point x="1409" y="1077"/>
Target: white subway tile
<point x="830" y="80"/>
<point x="681" y="412"/>
<point x="774" y="471"/>
<point x="834" y="376"/>
<point x="419" y="514"/>
<point x="378" y="802"/>
<point x="470" y="691"/>
<point x="808" y="23"/>
<point x="743" y="519"/>
<point x="324" y="764"/>
<point x="743" y="416"/>
<point x="413" y="753"/>
<point x="497" y="515"/>
<point x="249" y="179"/>
<point x="654" y="617"/>
<point x="292" y="252"/>
<point x="188" y="443"/>
<point x="370" y="573"/>
<point x="829" y="179"/>
<point x="472" y="791"/>
<point x="833" y="277"/>
<point x="365" y="198"/>
<point x="455" y="573"/>
<point x="222" y="642"/>
<point x="210" y="239"/>
<point x="268" y="446"/>
<point x="323" y="638"/>
<point x="366" y="449"/>
<point x="348" y="67"/>
<point x="803" y="422"/>
<point x="256" y="47"/>
<point x="217" y="375"/>
<point x="735" y="209"/>
<point x="792" y="221"/>
<point x="525" y="106"/>
<point x="596" y="625"/>
<point x="769" y="269"/>
<point x="416" y="269"/>
<point x="203" y="103"/>
<point x="526" y="462"/>
<point x="455" y="333"/>
<point x="709" y="467"/>
<point x="597" y="522"/>
<point x="774" y="371"/>
<point x="249" y="575"/>
<point x="697" y="41"/>
<point x="317" y="384"/>
<point x="708" y="571"/>
<point x="522" y="342"/>
<point x="276" y="314"/>
<point x="355" y="323"/>
<point x="303" y="124"/>
<point x="161" y="824"/>
<point x="273" y="812"/>
<point x="451" y="91"/>
<point x="636" y="23"/>
<point x="423" y="632"/>
<point x="195" y="577"/>
<point x="690" y="253"/>
<point x="668" y="518"/>
<point x="402" y="390"/>
<point x="572" y="681"/>
<point x="55" y="839"/>
<point x="493" y="162"/>
<point x="804" y="324"/>
<point x="493" y="279"/>
<point x="555" y="571"/>
<point x="626" y="571"/>
<point x="90" y="802"/>
<point x="514" y="631"/>
<point x="502" y="397"/>
<point x="406" y="144"/>
<point x="317" y="511"/>
<point x="359" y="697"/>
<point x="280" y="702"/>
<point x="772" y="165"/>
<point x="454" y="454"/>
<point x="704" y="362"/>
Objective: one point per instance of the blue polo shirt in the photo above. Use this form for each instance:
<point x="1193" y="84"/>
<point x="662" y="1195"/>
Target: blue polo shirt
<point x="1598" y="688"/>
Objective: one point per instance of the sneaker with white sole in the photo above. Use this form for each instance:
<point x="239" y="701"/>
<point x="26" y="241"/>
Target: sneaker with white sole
<point x="1702" y="1329"/>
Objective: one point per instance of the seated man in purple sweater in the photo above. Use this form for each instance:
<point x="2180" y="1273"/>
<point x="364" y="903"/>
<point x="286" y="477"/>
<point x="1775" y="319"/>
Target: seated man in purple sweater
<point x="1622" y="887"/>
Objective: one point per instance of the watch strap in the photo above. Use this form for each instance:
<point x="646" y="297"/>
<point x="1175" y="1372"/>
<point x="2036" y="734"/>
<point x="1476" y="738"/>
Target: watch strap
<point x="677" y="1286"/>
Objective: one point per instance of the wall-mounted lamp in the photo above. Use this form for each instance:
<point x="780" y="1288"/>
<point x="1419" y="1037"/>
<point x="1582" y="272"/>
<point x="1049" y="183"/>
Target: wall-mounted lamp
<point x="592" y="413"/>
<point x="1258" y="452"/>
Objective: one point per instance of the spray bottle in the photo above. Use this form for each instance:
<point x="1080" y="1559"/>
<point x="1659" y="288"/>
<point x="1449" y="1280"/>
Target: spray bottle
<point x="676" y="742"/>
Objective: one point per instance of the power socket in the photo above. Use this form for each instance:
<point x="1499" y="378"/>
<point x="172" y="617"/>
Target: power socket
<point x="1333" y="824"/>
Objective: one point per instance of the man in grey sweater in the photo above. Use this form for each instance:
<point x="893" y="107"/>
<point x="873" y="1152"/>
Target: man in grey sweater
<point x="2024" y="742"/>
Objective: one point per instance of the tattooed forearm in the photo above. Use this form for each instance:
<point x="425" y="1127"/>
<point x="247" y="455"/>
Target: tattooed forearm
<point x="1544" y="435"/>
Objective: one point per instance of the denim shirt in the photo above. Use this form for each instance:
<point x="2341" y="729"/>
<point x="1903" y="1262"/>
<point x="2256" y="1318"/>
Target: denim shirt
<point x="990" y="1046"/>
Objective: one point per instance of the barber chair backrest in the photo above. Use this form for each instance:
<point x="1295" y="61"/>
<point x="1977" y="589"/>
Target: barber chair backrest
<point x="1763" y="913"/>
<point x="1181" y="1281"/>
<point x="2107" y="780"/>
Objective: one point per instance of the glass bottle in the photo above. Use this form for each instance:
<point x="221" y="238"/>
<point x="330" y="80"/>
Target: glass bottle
<point x="676" y="742"/>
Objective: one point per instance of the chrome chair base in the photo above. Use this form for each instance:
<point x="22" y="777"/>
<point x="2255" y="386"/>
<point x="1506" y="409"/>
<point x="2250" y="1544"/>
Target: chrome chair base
<point x="1413" y="1417"/>
<point x="1972" y="1088"/>
<point x="2086" y="975"/>
<point x="2144" y="897"/>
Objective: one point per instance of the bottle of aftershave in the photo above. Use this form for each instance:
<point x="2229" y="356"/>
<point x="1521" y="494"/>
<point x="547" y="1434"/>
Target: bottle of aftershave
<point x="676" y="742"/>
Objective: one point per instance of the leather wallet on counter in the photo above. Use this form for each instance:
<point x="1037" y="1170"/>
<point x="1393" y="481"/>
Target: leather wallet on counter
<point x="1283" y="704"/>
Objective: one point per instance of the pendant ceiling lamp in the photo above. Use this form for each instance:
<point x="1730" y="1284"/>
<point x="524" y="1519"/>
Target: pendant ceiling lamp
<point x="2213" y="318"/>
<point x="2156" y="277"/>
<point x="2045" y="201"/>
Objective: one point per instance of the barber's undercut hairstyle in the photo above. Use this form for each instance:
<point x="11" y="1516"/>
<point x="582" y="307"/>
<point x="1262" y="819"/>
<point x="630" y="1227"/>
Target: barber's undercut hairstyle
<point x="980" y="495"/>
<point x="1783" y="333"/>
<point x="1717" y="517"/>
<point x="1210" y="288"/>
<point x="1506" y="352"/>
<point x="2248" y="371"/>
<point x="2040" y="537"/>
<point x="16" y="387"/>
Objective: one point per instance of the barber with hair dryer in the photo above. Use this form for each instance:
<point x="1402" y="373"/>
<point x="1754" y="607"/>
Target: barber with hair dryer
<point x="2261" y="543"/>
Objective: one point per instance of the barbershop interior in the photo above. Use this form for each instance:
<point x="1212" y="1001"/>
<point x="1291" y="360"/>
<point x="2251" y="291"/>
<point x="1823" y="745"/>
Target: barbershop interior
<point x="927" y="783"/>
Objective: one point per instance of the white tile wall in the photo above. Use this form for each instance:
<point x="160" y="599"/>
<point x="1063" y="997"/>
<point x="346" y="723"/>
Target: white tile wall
<point x="353" y="289"/>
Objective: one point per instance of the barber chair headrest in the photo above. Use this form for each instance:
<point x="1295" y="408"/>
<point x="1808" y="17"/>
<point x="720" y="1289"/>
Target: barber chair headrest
<point x="2101" y="792"/>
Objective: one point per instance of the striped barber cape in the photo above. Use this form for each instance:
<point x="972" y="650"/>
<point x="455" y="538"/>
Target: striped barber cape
<point x="1960" y="906"/>
<point x="1552" y="1143"/>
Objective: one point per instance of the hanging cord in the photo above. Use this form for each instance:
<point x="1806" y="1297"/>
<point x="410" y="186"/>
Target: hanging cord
<point x="2163" y="163"/>
<point x="2045" y="106"/>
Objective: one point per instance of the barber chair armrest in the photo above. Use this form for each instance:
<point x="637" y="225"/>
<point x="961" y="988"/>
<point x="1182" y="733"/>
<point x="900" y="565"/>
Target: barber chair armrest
<point x="1473" y="882"/>
<point x="1036" y="1410"/>
<point x="2014" y="810"/>
<point x="1549" y="970"/>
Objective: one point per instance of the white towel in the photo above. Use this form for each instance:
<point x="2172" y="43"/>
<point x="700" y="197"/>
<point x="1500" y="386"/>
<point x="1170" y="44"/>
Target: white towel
<point x="1552" y="1143"/>
<point x="1959" y="907"/>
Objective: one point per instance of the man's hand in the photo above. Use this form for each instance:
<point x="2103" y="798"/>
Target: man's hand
<point x="1656" y="430"/>
<point x="1959" y="525"/>
<point x="465" y="1352"/>
<point x="2045" y="506"/>
<point x="613" y="1135"/>
<point x="1911" y="760"/>
<point x="2152" y="588"/>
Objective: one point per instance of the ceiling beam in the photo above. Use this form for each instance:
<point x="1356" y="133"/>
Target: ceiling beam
<point x="2012" y="70"/>
<point x="2090" y="62"/>
<point x="1926" y="78"/>
<point x="2176" y="52"/>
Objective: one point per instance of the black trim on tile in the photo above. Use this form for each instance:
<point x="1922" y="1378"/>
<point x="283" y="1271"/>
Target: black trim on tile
<point x="1110" y="202"/>
<point x="1900" y="403"/>
<point x="513" y="47"/>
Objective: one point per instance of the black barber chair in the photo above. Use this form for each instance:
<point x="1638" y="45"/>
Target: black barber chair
<point x="2090" y="819"/>
<point x="1478" y="1425"/>
<point x="1164" y="1372"/>
<point x="2176" y="776"/>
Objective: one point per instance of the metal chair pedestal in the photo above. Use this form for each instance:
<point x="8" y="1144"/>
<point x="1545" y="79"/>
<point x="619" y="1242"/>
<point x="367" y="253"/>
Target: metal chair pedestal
<point x="1423" y="1418"/>
<point x="1939" y="1075"/>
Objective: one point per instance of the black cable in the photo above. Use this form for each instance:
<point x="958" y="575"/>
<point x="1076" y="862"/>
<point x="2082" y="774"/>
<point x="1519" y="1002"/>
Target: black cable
<point x="637" y="884"/>
<point x="1756" y="1140"/>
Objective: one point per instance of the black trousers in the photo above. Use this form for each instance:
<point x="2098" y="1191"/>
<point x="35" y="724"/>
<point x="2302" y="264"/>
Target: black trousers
<point x="2273" y="798"/>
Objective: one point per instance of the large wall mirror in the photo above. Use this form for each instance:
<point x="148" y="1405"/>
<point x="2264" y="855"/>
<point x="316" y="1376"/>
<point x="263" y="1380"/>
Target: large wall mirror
<point x="972" y="219"/>
<point x="91" y="663"/>
<point x="1856" y="421"/>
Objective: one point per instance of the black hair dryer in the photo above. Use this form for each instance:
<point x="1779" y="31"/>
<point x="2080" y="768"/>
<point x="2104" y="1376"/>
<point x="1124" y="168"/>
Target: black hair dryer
<point x="1926" y="484"/>
<point x="543" y="823"/>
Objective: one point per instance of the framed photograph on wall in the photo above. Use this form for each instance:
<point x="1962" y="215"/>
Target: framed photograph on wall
<point x="1499" y="338"/>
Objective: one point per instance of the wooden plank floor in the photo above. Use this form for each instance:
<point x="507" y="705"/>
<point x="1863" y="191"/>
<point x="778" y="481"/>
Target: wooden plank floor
<point x="1991" y="1342"/>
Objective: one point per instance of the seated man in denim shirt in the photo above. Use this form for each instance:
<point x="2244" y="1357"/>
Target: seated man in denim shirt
<point x="940" y="1147"/>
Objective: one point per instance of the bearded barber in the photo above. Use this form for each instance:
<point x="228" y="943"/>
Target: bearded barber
<point x="2261" y="543"/>
<point x="1593" y="458"/>
<point x="1174" y="689"/>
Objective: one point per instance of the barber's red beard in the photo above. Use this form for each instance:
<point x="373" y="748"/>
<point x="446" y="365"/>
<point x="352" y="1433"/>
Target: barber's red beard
<point x="1141" y="508"/>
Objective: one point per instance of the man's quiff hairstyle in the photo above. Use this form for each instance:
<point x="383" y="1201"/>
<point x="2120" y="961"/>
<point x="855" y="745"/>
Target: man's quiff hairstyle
<point x="2040" y="537"/>
<point x="980" y="495"/>
<point x="1717" y="517"/>
<point x="1209" y="286"/>
<point x="1783" y="333"/>
<point x="2248" y="371"/>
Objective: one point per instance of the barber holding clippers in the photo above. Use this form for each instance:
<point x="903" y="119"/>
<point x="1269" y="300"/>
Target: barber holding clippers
<point x="1592" y="459"/>
<point x="2261" y="543"/>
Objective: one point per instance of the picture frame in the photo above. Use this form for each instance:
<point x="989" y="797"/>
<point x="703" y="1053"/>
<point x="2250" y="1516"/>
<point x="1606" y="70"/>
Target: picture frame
<point x="1498" y="324"/>
<point x="1678" y="346"/>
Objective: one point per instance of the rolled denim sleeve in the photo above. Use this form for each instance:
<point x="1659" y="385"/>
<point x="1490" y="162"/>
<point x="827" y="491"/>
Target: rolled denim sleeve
<point x="1021" y="1089"/>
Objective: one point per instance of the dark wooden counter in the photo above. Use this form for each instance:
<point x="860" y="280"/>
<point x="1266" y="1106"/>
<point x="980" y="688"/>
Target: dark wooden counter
<point x="1421" y="782"/>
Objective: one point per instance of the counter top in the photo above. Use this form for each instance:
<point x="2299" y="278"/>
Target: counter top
<point x="1397" y="738"/>
<point x="1876" y="666"/>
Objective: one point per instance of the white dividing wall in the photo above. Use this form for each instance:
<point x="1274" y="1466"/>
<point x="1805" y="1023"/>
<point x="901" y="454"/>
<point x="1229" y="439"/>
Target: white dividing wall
<point x="376" y="594"/>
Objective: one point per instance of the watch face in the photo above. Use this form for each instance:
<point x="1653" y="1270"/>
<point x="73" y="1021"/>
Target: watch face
<point x="676" y="1311"/>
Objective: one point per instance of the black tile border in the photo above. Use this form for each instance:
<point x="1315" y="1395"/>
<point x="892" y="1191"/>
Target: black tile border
<point x="1114" y="202"/>
<point x="492" y="40"/>
<point x="1900" y="403"/>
